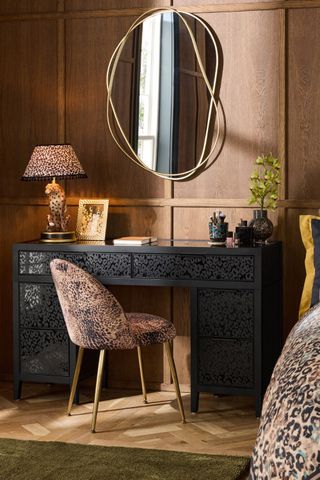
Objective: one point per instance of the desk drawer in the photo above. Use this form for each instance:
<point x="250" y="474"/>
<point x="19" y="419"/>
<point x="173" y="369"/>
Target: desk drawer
<point x="99" y="264"/>
<point x="225" y="362"/>
<point x="39" y="307"/>
<point x="226" y="313"/>
<point x="236" y="268"/>
<point x="44" y="352"/>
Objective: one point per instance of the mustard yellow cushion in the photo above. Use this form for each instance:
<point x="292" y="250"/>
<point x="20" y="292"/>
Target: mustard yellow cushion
<point x="308" y="241"/>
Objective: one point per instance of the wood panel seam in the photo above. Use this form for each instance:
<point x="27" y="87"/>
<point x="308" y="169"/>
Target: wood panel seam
<point x="167" y="202"/>
<point x="198" y="9"/>
<point x="282" y="119"/>
<point x="61" y="80"/>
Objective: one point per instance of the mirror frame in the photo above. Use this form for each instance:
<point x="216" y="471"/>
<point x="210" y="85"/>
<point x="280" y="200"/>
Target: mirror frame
<point x="213" y="106"/>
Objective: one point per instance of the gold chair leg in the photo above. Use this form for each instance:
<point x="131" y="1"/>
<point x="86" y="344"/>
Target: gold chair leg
<point x="175" y="380"/>
<point x="98" y="390"/>
<point x="75" y="379"/>
<point x="143" y="385"/>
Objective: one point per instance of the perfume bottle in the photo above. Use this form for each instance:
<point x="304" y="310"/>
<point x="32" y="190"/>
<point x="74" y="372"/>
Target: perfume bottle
<point x="229" y="240"/>
<point x="244" y="234"/>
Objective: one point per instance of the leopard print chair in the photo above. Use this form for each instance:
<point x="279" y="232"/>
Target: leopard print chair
<point x="96" y="321"/>
<point x="288" y="441"/>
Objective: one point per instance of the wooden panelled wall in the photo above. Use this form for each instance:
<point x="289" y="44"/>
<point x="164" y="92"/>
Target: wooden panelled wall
<point x="53" y="60"/>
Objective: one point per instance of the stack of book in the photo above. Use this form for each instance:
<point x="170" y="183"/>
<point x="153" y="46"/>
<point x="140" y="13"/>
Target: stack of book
<point x="134" y="240"/>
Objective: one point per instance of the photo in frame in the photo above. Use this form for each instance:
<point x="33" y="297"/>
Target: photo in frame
<point x="92" y="219"/>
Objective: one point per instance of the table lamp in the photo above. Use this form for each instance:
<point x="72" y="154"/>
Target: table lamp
<point x="49" y="162"/>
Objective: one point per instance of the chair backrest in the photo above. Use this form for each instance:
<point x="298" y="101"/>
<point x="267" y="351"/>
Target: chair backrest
<point x="94" y="318"/>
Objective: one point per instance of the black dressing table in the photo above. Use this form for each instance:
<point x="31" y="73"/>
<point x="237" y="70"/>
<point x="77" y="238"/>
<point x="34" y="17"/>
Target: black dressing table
<point x="236" y="308"/>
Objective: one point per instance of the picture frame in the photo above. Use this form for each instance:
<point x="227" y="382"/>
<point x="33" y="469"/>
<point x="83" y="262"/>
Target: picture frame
<point x="92" y="219"/>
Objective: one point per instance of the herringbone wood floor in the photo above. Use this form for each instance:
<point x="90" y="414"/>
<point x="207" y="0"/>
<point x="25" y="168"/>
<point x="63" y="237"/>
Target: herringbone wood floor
<point x="224" y="425"/>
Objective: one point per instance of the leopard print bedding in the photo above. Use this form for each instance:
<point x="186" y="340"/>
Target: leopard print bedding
<point x="96" y="320"/>
<point x="288" y="441"/>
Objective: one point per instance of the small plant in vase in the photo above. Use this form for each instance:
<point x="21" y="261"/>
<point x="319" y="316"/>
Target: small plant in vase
<point x="264" y="184"/>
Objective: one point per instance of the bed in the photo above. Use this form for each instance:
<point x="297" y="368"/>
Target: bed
<point x="288" y="440"/>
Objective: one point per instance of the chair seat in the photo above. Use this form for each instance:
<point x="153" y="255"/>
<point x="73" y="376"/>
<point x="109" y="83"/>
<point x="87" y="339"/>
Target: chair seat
<point x="150" y="329"/>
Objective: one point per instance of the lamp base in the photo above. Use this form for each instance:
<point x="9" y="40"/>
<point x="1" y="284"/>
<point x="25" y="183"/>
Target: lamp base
<point x="58" y="237"/>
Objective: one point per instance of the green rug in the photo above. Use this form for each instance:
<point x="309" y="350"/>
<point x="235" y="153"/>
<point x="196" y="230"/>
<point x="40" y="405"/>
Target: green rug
<point x="30" y="460"/>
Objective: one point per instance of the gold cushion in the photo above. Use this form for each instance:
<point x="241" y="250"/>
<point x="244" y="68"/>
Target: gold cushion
<point x="307" y="238"/>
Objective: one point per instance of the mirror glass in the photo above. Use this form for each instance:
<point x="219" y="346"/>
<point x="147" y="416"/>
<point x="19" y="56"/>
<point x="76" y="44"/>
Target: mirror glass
<point x="160" y="95"/>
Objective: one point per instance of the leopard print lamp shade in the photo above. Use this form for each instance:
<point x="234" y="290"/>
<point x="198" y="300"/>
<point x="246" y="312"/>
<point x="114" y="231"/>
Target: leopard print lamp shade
<point x="49" y="161"/>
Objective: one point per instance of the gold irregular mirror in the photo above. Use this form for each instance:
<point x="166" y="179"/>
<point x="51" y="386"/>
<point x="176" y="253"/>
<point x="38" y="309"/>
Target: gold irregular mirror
<point x="161" y="86"/>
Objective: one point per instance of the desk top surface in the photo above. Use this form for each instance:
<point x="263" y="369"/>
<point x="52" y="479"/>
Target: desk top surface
<point x="162" y="245"/>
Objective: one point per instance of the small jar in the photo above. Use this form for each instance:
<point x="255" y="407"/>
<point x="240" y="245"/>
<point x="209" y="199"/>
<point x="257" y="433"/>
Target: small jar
<point x="236" y="240"/>
<point x="229" y="240"/>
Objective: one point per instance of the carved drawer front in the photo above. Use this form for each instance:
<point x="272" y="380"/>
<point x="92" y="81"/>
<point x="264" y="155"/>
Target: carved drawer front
<point x="225" y="362"/>
<point x="39" y="306"/>
<point x="44" y="352"/>
<point x="38" y="263"/>
<point x="107" y="265"/>
<point x="194" y="267"/>
<point x="225" y="313"/>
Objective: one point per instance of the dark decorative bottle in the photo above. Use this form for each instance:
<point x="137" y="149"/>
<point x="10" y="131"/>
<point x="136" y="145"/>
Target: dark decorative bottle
<point x="262" y="226"/>
<point x="244" y="234"/>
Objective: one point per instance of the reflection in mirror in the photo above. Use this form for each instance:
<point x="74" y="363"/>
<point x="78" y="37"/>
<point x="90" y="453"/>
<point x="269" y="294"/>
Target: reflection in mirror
<point x="160" y="94"/>
<point x="148" y="91"/>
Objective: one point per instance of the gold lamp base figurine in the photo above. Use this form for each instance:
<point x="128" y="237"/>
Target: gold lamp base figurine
<point x="58" y="218"/>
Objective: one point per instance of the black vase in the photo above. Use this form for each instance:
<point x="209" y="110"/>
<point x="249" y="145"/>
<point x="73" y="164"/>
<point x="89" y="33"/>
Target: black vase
<point x="262" y="226"/>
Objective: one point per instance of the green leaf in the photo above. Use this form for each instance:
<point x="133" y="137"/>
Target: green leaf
<point x="265" y="181"/>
